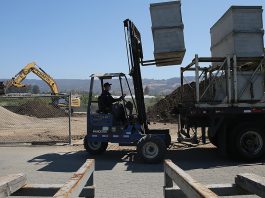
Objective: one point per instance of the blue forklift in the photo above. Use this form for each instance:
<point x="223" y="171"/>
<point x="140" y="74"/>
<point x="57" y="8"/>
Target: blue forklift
<point x="127" y="124"/>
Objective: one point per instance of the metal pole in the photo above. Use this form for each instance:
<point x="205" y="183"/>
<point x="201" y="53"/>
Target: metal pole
<point x="179" y="126"/>
<point x="181" y="84"/>
<point x="123" y="101"/>
<point x="228" y="79"/>
<point x="212" y="80"/>
<point x="203" y="135"/>
<point x="90" y="96"/>
<point x="250" y="80"/>
<point x="235" y="77"/>
<point x="197" y="78"/>
<point x="69" y="118"/>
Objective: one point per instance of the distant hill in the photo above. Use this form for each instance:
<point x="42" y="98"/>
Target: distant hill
<point x="156" y="87"/>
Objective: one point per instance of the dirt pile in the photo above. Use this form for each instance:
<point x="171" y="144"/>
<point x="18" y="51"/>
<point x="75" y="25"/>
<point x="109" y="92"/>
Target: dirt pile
<point x="164" y="110"/>
<point x="39" y="109"/>
<point x="8" y="117"/>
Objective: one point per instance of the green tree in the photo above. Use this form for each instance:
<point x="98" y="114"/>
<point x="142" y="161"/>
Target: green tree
<point x="35" y="89"/>
<point x="146" y="90"/>
<point x="26" y="89"/>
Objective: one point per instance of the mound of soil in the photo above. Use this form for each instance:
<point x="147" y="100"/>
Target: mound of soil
<point x="39" y="109"/>
<point x="9" y="118"/>
<point x="165" y="109"/>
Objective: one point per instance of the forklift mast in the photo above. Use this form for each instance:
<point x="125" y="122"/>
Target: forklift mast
<point x="135" y="57"/>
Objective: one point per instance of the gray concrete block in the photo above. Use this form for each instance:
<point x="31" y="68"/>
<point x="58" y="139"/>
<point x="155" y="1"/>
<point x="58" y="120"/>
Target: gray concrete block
<point x="166" y="14"/>
<point x="239" y="31"/>
<point x="167" y="29"/>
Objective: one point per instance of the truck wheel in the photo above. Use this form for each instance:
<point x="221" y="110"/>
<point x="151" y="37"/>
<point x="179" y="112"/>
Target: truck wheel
<point x="249" y="142"/>
<point x="95" y="148"/>
<point x="151" y="149"/>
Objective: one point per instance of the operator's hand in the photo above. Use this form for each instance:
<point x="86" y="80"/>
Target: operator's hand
<point x="122" y="97"/>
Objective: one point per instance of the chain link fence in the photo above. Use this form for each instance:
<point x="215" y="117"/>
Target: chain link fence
<point x="35" y="119"/>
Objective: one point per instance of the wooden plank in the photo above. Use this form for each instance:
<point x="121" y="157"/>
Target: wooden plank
<point x="252" y="183"/>
<point x="187" y="184"/>
<point x="219" y="189"/>
<point x="74" y="186"/>
<point x="167" y="181"/>
<point x="11" y="183"/>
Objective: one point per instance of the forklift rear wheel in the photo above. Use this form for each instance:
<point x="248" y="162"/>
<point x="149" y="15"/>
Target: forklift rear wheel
<point x="95" y="148"/>
<point x="151" y="149"/>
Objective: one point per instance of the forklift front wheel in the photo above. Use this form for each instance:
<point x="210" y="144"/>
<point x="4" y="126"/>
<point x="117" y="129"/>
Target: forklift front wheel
<point x="95" y="148"/>
<point x="151" y="149"/>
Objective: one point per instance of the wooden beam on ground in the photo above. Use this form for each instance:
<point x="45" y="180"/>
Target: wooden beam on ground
<point x="219" y="189"/>
<point x="252" y="183"/>
<point x="11" y="183"/>
<point x="189" y="186"/>
<point x="74" y="186"/>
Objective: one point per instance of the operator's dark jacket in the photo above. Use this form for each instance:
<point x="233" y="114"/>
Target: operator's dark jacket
<point x="105" y="101"/>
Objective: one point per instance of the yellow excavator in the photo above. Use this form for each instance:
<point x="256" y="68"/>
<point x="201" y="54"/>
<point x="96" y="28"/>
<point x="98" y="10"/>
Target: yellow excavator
<point x="16" y="81"/>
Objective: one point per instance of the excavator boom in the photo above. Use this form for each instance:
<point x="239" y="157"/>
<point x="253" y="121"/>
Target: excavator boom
<point x="32" y="67"/>
<point x="16" y="81"/>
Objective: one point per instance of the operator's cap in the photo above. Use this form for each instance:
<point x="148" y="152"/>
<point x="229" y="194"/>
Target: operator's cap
<point x="106" y="84"/>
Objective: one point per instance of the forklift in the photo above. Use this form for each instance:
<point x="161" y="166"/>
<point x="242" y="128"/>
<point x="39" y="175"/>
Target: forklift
<point x="127" y="124"/>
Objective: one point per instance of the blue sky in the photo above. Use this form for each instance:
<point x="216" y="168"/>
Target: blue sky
<point x="71" y="39"/>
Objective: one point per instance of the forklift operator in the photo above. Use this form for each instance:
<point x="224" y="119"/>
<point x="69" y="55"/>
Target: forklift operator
<point x="106" y="100"/>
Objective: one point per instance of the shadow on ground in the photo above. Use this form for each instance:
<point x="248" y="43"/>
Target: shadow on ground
<point x="187" y="159"/>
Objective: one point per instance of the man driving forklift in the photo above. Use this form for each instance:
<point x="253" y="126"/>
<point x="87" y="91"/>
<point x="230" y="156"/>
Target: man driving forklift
<point x="106" y="100"/>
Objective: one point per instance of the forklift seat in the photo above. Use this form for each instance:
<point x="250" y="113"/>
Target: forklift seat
<point x="118" y="112"/>
<point x="101" y="106"/>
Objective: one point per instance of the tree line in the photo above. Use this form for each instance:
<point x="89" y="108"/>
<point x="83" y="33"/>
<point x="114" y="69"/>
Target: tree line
<point x="35" y="89"/>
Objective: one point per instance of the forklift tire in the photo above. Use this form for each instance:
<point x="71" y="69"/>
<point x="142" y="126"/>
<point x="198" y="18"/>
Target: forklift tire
<point x="151" y="149"/>
<point x="248" y="142"/>
<point x="95" y="148"/>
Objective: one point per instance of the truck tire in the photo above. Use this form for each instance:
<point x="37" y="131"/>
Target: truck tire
<point x="95" y="148"/>
<point x="151" y="149"/>
<point x="248" y="142"/>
